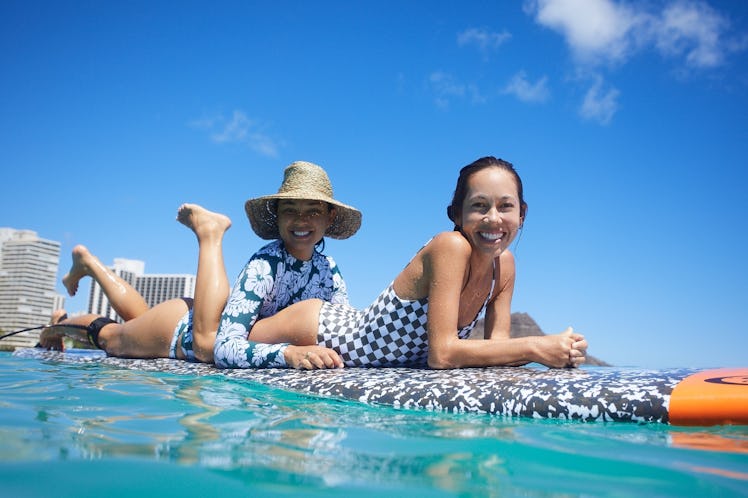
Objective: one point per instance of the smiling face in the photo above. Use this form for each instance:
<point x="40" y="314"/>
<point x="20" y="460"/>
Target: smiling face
<point x="490" y="214"/>
<point x="302" y="224"/>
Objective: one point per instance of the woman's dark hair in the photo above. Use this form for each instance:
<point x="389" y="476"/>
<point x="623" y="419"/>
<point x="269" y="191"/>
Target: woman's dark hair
<point x="454" y="209"/>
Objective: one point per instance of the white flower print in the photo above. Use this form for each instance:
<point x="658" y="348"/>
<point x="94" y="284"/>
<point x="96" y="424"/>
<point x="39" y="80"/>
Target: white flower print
<point x="231" y="341"/>
<point x="259" y="277"/>
<point x="264" y="353"/>
<point x="238" y="305"/>
<point x="286" y="289"/>
<point x="340" y="296"/>
<point x="317" y="287"/>
<point x="270" y="281"/>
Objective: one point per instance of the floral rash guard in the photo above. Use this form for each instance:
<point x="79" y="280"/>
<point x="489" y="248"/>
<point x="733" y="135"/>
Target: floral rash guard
<point x="271" y="280"/>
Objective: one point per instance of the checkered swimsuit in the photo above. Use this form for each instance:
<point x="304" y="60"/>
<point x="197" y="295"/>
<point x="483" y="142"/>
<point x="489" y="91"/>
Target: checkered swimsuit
<point x="390" y="332"/>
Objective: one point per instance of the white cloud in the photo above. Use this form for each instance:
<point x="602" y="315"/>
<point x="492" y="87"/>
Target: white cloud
<point x="445" y="87"/>
<point x="239" y="128"/>
<point x="525" y="91"/>
<point x="692" y="29"/>
<point x="595" y="30"/>
<point x="482" y="38"/>
<point x="606" y="31"/>
<point x="599" y="104"/>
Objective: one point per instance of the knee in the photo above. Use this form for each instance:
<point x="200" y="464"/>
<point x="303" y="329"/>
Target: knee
<point x="203" y="345"/>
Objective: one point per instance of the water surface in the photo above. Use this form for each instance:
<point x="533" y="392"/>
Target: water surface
<point x="72" y="429"/>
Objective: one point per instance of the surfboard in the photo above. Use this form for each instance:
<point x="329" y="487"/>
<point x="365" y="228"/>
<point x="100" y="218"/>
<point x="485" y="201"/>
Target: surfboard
<point x="672" y="396"/>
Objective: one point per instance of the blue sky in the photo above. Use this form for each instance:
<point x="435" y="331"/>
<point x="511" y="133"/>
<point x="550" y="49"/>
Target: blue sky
<point x="626" y="120"/>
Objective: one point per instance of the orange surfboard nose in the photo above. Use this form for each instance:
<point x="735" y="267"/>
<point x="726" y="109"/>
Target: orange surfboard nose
<point x="711" y="397"/>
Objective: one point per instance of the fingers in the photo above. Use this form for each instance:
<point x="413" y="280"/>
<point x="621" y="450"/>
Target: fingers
<point x="576" y="357"/>
<point x="577" y="353"/>
<point x="316" y="357"/>
<point x="577" y="347"/>
<point x="580" y="344"/>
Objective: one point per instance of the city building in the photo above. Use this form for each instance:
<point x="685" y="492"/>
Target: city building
<point x="154" y="288"/>
<point x="28" y="276"/>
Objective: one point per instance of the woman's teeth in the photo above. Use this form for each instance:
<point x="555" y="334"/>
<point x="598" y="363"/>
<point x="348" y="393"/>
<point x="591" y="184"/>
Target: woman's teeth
<point x="491" y="236"/>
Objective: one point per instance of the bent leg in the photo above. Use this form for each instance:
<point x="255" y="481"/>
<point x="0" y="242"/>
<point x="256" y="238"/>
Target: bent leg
<point x="125" y="300"/>
<point x="212" y="284"/>
<point x="296" y="325"/>
<point x="147" y="336"/>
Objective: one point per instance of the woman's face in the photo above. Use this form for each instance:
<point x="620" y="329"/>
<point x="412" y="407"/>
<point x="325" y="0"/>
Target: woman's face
<point x="302" y="223"/>
<point x="490" y="215"/>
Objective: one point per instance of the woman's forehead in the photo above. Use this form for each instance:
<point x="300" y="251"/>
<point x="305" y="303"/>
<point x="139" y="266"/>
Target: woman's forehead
<point x="492" y="182"/>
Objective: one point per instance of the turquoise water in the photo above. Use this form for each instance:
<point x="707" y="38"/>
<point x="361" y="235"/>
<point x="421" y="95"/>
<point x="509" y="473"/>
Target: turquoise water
<point x="70" y="429"/>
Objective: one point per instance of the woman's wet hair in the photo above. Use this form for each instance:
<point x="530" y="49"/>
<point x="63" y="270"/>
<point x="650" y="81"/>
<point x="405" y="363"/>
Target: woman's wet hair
<point x="454" y="209"/>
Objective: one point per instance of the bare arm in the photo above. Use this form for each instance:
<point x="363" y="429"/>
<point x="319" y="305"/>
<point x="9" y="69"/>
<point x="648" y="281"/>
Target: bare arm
<point x="446" y="267"/>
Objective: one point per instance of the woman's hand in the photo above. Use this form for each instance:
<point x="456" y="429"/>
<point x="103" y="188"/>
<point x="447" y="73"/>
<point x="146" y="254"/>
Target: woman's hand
<point x="312" y="357"/>
<point x="567" y="349"/>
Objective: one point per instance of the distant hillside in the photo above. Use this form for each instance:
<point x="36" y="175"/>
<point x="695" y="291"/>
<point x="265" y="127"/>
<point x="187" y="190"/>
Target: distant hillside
<point x="524" y="326"/>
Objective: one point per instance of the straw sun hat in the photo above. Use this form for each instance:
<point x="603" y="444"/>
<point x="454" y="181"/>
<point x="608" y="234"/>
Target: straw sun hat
<point x="305" y="181"/>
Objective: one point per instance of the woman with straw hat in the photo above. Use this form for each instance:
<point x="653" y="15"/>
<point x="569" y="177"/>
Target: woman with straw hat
<point x="289" y="269"/>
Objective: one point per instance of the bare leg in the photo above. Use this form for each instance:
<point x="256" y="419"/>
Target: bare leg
<point x="212" y="284"/>
<point x="125" y="300"/>
<point x="296" y="325"/>
<point x="147" y="336"/>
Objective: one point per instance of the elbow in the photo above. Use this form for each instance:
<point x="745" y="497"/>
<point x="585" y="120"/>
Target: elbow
<point x="441" y="360"/>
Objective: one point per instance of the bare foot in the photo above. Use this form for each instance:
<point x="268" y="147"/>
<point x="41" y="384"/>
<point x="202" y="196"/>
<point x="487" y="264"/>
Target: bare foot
<point x="81" y="267"/>
<point x="205" y="224"/>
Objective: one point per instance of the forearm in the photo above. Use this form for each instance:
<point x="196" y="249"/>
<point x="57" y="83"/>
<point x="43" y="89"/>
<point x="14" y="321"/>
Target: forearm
<point x="234" y="350"/>
<point x="459" y="353"/>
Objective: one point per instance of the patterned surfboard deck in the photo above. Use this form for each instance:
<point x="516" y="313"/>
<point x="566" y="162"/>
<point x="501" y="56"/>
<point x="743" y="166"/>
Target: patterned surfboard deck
<point x="586" y="394"/>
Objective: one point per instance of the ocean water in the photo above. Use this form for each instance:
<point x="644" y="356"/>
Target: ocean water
<point x="72" y="429"/>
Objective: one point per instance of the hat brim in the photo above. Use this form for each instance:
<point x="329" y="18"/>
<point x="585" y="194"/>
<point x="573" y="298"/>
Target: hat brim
<point x="264" y="220"/>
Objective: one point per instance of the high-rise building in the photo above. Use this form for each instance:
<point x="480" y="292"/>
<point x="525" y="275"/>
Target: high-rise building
<point x="154" y="288"/>
<point x="28" y="274"/>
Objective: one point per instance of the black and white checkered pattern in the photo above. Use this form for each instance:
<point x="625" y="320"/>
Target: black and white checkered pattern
<point x="390" y="332"/>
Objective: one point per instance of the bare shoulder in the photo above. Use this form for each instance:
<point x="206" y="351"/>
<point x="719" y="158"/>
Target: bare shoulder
<point x="450" y="242"/>
<point x="447" y="250"/>
<point x="506" y="258"/>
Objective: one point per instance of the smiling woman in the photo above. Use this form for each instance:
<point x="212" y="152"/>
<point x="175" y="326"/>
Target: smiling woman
<point x="434" y="303"/>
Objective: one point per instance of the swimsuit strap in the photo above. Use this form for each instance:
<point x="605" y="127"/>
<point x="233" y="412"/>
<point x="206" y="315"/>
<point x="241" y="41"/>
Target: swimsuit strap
<point x="490" y="292"/>
<point x="485" y="303"/>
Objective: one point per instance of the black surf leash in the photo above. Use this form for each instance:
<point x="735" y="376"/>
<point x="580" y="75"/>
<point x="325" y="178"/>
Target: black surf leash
<point x="71" y="325"/>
